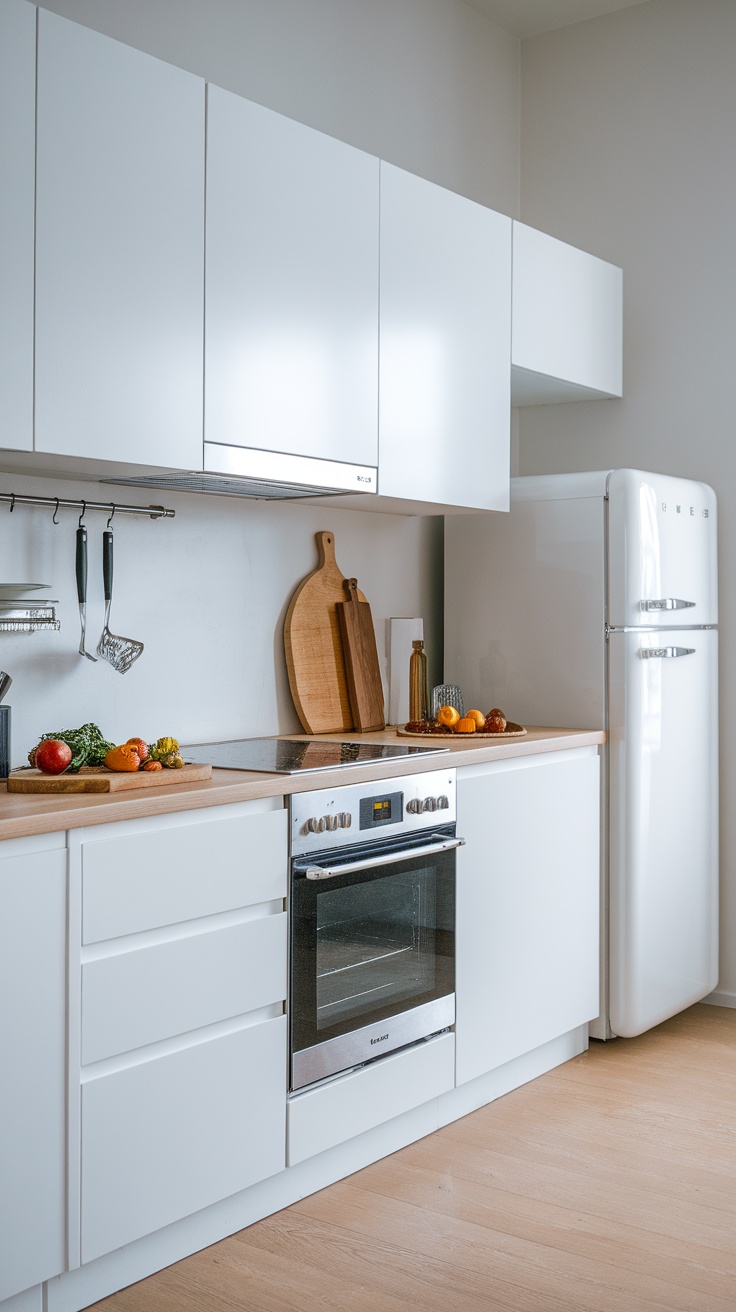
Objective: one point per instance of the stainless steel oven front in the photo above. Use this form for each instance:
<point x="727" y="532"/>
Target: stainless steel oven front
<point x="372" y="921"/>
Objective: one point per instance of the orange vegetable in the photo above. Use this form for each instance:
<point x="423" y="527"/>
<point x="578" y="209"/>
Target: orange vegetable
<point x="466" y="725"/>
<point x="152" y="765"/>
<point x="478" y="716"/>
<point x="122" y="758"/>
<point x="448" y="716"/>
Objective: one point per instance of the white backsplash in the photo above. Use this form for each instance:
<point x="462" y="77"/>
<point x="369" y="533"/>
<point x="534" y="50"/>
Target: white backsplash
<point x="206" y="593"/>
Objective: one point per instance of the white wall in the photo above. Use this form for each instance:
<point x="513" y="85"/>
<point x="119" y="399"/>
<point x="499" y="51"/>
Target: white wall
<point x="429" y="85"/>
<point x="628" y="130"/>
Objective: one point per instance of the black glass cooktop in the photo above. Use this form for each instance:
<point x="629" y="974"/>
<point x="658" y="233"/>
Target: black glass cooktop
<point x="282" y="756"/>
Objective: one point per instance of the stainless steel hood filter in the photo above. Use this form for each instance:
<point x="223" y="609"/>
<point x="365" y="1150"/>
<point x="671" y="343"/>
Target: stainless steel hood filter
<point x="264" y="475"/>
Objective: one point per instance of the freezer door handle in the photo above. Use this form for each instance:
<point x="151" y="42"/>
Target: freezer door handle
<point x="666" y="603"/>
<point x="664" y="653"/>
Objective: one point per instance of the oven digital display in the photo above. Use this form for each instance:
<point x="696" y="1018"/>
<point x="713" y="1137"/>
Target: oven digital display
<point x="386" y="810"/>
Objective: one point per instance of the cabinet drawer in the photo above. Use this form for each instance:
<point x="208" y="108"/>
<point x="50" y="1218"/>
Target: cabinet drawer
<point x="336" y="1112"/>
<point x="170" y="1136"/>
<point x="151" y="993"/>
<point x="147" y="878"/>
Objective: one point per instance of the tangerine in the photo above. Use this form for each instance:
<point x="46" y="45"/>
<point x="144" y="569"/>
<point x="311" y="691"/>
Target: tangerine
<point x="448" y="716"/>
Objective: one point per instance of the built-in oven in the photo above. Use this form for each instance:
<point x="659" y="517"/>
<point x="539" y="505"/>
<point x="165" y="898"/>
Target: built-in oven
<point x="372" y="921"/>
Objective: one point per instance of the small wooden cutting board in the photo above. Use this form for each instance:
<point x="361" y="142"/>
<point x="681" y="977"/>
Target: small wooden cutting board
<point x="98" y="779"/>
<point x="313" y="646"/>
<point x="365" y="689"/>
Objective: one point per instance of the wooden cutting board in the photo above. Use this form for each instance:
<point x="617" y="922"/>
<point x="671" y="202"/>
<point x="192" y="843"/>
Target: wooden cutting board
<point x="363" y="671"/>
<point x="97" y="779"/>
<point x="313" y="645"/>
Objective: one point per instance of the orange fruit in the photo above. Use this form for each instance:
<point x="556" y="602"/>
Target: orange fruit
<point x="466" y="725"/>
<point x="478" y="716"/>
<point x="448" y="716"/>
<point x="122" y="758"/>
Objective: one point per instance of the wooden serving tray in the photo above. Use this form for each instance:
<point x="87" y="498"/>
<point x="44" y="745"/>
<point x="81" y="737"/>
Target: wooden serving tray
<point x="98" y="779"/>
<point x="482" y="737"/>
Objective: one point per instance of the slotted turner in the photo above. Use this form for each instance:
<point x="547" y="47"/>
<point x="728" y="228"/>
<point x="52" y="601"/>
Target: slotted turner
<point x="118" y="652"/>
<point x="81" y="572"/>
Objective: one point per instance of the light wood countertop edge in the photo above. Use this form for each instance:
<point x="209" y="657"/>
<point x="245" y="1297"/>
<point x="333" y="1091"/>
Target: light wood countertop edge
<point x="24" y="815"/>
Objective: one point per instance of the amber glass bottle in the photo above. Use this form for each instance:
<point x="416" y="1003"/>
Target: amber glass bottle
<point x="418" y="682"/>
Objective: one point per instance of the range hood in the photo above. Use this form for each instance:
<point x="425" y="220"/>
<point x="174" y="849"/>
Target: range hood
<point x="265" y="475"/>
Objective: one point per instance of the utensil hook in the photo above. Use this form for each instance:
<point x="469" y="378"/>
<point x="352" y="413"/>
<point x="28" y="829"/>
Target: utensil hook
<point x="54" y="520"/>
<point x="109" y="522"/>
<point x="81" y="517"/>
<point x="12" y="502"/>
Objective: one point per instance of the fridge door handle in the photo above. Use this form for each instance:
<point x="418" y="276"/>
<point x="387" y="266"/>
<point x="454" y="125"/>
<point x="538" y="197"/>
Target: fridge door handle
<point x="664" y="653"/>
<point x="666" y="603"/>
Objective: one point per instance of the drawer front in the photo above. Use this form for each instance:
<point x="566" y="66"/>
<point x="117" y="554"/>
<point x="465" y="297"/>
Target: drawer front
<point x="336" y="1112"/>
<point x="151" y="993"/>
<point x="161" y="876"/>
<point x="170" y="1136"/>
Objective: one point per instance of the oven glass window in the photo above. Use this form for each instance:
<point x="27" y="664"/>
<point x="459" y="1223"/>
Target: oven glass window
<point x="375" y="945"/>
<point x="370" y="945"/>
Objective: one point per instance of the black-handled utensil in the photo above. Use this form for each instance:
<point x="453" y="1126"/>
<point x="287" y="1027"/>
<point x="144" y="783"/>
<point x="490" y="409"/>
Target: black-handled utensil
<point x="81" y="572"/>
<point x="118" y="652"/>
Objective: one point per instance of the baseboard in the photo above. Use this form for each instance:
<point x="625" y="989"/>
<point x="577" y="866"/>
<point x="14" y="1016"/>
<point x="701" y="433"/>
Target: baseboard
<point x="720" y="998"/>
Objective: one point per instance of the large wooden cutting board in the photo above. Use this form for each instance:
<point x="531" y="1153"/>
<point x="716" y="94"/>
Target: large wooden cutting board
<point x="97" y="779"/>
<point x="313" y="645"/>
<point x="363" y="671"/>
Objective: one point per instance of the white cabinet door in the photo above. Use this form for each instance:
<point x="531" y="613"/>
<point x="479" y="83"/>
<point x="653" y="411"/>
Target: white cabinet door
<point x="168" y="1136"/>
<point x="292" y="287"/>
<point x="527" y="905"/>
<point x="17" y="184"/>
<point x="444" y="409"/>
<point x="120" y="251"/>
<point x="567" y="321"/>
<point x="32" y="1053"/>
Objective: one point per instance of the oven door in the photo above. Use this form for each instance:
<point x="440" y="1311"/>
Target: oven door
<point x="372" y="951"/>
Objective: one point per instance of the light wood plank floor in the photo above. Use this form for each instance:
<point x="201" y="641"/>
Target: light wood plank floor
<point x="607" y="1185"/>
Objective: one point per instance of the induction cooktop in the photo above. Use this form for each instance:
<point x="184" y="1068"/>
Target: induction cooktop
<point x="284" y="756"/>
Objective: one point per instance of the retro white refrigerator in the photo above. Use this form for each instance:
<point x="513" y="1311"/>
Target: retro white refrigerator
<point x="592" y="604"/>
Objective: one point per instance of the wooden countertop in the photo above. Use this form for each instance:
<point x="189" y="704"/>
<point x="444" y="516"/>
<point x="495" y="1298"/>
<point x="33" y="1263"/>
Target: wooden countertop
<point x="22" y="814"/>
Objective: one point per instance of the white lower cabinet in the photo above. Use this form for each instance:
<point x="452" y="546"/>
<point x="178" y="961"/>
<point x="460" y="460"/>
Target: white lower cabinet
<point x="168" y="1136"/>
<point x="33" y="1064"/>
<point x="527" y="905"/>
<point x="182" y="948"/>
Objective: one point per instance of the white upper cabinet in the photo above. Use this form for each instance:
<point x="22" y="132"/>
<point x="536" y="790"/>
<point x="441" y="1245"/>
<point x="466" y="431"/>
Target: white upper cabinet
<point x="444" y="408"/>
<point x="120" y="243"/>
<point x="17" y="162"/>
<point x="291" y="349"/>
<point x="567" y="322"/>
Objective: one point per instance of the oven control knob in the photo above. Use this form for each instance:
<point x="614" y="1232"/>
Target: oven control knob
<point x="430" y="804"/>
<point x="332" y="822"/>
<point x="320" y="826"/>
<point x="310" y="827"/>
<point x="414" y="806"/>
<point x="345" y="819"/>
<point x="442" y="803"/>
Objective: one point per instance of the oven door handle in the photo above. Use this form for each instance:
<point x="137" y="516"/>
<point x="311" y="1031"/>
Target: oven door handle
<point x="391" y="859"/>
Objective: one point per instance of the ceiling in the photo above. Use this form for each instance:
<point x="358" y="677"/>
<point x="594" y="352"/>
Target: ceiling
<point x="526" y="18"/>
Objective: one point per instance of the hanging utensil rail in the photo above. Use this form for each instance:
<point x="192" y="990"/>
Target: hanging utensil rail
<point x="153" y="512"/>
